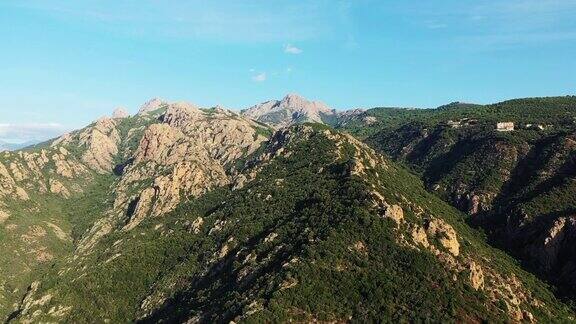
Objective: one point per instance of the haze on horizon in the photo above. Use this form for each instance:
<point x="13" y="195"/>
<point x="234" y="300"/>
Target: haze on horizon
<point x="64" y="64"/>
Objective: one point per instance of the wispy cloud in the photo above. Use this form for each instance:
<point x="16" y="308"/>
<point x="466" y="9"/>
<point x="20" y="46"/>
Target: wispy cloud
<point x="19" y="133"/>
<point x="260" y="77"/>
<point x="291" y="49"/>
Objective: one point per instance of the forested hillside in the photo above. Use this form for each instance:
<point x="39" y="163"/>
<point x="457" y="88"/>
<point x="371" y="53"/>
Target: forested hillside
<point x="519" y="186"/>
<point x="320" y="228"/>
<point x="184" y="214"/>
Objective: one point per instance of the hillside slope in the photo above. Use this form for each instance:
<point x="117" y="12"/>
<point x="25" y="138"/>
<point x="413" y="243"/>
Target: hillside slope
<point x="519" y="186"/>
<point x="313" y="226"/>
<point x="61" y="197"/>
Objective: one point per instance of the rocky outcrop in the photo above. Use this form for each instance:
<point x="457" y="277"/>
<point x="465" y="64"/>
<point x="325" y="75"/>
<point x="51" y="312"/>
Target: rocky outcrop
<point x="395" y="213"/>
<point x="476" y="276"/>
<point x="444" y="233"/>
<point x="181" y="154"/>
<point x="9" y="187"/>
<point x="101" y="142"/>
<point x="39" y="171"/>
<point x="3" y="216"/>
<point x="56" y="187"/>
<point x="156" y="144"/>
<point x="418" y="235"/>
<point x="97" y="145"/>
<point x="187" y="154"/>
<point x="66" y="166"/>
<point x="152" y="105"/>
<point x="290" y="110"/>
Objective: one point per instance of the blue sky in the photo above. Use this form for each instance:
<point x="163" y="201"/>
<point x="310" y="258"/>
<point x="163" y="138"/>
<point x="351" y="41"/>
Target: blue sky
<point x="65" y="63"/>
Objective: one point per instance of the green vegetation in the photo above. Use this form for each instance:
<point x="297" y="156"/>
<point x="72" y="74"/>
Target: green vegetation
<point x="305" y="238"/>
<point x="555" y="111"/>
<point x="515" y="184"/>
<point x="286" y="247"/>
<point x="37" y="234"/>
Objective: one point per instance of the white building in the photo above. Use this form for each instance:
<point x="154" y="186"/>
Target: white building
<point x="505" y="126"/>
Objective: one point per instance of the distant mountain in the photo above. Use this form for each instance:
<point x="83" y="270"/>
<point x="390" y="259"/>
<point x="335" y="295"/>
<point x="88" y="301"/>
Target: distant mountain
<point x="293" y="109"/>
<point x="7" y="146"/>
<point x="152" y="105"/>
<point x="119" y="113"/>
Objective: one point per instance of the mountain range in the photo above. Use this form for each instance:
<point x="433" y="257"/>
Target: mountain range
<point x="293" y="211"/>
<point x="8" y="146"/>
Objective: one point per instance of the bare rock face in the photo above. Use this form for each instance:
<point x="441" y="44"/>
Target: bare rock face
<point x="476" y="276"/>
<point x="28" y="172"/>
<point x="395" y="213"/>
<point x="290" y="110"/>
<point x="151" y="105"/>
<point x="156" y="143"/>
<point x="101" y="141"/>
<point x="120" y="113"/>
<point x="8" y="186"/>
<point x="65" y="166"/>
<point x="56" y="187"/>
<point x="548" y="248"/>
<point x="186" y="155"/>
<point x="3" y="216"/>
<point x="419" y="236"/>
<point x="445" y="234"/>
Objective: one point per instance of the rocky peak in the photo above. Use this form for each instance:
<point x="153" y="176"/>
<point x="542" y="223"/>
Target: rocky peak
<point x="181" y="113"/>
<point x="120" y="113"/>
<point x="292" y="109"/>
<point x="151" y="105"/>
<point x="298" y="102"/>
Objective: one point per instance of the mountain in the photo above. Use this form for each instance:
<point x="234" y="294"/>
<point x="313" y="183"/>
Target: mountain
<point x="152" y="105"/>
<point x="6" y="146"/>
<point x="291" y="110"/>
<point x="120" y="112"/>
<point x="66" y="195"/>
<point x="183" y="214"/>
<point x="518" y="186"/>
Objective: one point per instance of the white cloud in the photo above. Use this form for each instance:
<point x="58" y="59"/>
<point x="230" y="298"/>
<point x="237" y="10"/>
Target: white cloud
<point x="260" y="77"/>
<point x="18" y="133"/>
<point x="291" y="49"/>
